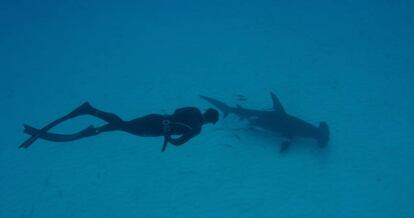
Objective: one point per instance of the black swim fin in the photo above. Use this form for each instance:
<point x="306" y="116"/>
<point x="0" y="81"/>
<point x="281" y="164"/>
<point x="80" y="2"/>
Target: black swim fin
<point x="34" y="137"/>
<point x="81" y="110"/>
<point x="59" y="137"/>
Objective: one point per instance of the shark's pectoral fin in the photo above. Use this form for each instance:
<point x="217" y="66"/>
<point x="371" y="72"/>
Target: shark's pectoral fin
<point x="277" y="106"/>
<point x="285" y="145"/>
<point x="286" y="142"/>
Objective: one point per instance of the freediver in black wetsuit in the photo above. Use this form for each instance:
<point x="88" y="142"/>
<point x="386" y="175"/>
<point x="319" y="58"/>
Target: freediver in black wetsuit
<point x="186" y="122"/>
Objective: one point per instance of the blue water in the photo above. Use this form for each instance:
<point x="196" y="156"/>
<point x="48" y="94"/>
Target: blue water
<point x="348" y="63"/>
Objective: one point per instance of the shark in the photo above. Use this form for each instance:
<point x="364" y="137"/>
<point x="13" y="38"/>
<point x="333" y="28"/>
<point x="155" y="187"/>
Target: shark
<point x="276" y="120"/>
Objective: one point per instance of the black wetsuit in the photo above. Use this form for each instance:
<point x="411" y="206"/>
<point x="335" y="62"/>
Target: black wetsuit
<point x="186" y="122"/>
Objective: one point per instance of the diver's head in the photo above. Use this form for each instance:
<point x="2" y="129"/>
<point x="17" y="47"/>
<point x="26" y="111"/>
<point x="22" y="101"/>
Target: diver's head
<point x="211" y="116"/>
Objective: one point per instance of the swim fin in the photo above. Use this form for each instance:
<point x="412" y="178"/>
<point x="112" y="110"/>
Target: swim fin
<point x="35" y="136"/>
<point x="81" y="110"/>
<point x="59" y="137"/>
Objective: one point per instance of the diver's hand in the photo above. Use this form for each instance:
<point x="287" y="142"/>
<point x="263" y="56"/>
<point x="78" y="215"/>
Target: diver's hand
<point x="166" y="139"/>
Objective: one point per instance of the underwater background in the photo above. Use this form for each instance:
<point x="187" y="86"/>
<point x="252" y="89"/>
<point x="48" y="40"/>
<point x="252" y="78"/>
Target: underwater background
<point x="349" y="63"/>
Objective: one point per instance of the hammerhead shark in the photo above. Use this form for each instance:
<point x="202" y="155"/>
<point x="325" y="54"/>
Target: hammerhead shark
<point x="276" y="120"/>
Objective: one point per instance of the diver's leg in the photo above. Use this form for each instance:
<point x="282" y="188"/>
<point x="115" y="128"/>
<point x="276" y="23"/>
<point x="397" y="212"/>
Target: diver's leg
<point x="88" y="109"/>
<point x="149" y="125"/>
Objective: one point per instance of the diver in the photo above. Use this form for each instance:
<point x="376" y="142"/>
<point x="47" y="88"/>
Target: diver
<point x="186" y="122"/>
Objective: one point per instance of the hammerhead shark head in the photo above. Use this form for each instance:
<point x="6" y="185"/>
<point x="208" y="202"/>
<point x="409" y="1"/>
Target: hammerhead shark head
<point x="276" y="120"/>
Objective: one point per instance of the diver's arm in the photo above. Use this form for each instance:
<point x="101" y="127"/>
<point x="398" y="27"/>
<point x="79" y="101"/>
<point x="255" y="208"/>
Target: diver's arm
<point x="184" y="138"/>
<point x="164" y="146"/>
<point x="190" y="133"/>
<point x="181" y="140"/>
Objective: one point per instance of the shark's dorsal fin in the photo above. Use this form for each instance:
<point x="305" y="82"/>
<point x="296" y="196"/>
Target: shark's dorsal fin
<point x="277" y="106"/>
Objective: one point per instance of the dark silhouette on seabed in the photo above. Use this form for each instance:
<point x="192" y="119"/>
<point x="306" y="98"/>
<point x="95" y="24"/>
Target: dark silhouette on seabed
<point x="186" y="122"/>
<point x="276" y="120"/>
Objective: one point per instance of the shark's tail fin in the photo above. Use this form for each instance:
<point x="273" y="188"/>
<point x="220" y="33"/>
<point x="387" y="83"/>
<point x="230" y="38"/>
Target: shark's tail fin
<point x="224" y="108"/>
<point x="323" y="138"/>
